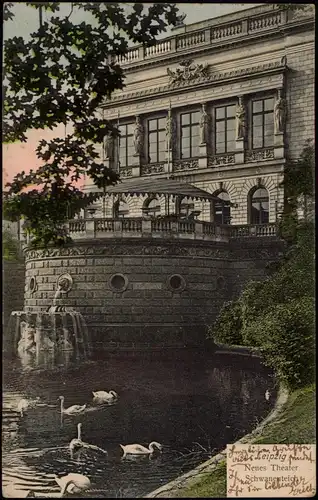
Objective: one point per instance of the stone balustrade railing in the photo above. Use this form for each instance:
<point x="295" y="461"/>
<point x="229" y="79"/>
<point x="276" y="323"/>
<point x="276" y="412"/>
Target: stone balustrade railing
<point x="161" y="228"/>
<point x="249" y="230"/>
<point x="213" y="35"/>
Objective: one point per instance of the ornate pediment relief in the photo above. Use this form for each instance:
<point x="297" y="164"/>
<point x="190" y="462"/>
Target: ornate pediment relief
<point x="187" y="73"/>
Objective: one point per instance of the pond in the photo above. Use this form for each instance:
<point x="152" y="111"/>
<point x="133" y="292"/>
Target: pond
<point x="192" y="408"/>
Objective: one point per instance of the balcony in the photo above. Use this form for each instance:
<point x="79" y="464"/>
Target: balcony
<point x="81" y="229"/>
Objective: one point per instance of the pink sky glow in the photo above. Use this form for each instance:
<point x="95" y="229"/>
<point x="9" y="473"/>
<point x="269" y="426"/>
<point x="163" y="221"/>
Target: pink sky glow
<point x="22" y="156"/>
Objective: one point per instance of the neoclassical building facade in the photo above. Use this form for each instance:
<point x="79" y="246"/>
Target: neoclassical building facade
<point x="220" y="104"/>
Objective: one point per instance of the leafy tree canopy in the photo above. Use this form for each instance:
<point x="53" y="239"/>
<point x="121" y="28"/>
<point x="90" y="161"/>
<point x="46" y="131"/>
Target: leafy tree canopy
<point x="62" y="76"/>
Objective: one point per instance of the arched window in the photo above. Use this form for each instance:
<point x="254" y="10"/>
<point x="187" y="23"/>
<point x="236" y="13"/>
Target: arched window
<point x="222" y="209"/>
<point x="121" y="209"/>
<point x="259" y="206"/>
<point x="152" y="207"/>
<point x="186" y="207"/>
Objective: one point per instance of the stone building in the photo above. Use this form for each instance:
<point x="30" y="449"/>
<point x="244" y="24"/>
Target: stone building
<point x="220" y="104"/>
<point x="217" y="108"/>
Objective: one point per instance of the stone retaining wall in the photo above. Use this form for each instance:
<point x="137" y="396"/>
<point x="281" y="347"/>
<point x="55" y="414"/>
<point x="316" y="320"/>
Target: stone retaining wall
<point x="144" y="291"/>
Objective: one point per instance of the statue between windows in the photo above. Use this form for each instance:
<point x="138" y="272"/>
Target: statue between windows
<point x="240" y="119"/>
<point x="138" y="137"/>
<point x="280" y="112"/>
<point x="204" y="125"/>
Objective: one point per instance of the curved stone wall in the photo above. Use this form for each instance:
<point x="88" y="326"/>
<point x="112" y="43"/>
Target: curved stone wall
<point x="146" y="292"/>
<point x="156" y="292"/>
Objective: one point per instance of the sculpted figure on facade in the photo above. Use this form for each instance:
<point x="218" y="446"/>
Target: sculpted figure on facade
<point x="279" y="114"/>
<point x="204" y="125"/>
<point x="138" y="136"/>
<point x="108" y="146"/>
<point x="240" y="119"/>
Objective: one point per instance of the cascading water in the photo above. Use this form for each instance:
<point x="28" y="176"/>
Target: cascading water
<point x="49" y="338"/>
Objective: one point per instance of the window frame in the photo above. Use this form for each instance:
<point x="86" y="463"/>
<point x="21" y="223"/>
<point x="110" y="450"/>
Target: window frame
<point x="225" y="120"/>
<point x="157" y="130"/>
<point x="117" y="213"/>
<point x="186" y="203"/>
<point x="125" y="138"/>
<point x="260" y="200"/>
<point x="190" y="125"/>
<point x="261" y="113"/>
<point x="151" y="212"/>
<point x="224" y="204"/>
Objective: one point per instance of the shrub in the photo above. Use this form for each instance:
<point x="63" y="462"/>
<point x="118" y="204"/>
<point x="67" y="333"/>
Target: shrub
<point x="227" y="327"/>
<point x="285" y="336"/>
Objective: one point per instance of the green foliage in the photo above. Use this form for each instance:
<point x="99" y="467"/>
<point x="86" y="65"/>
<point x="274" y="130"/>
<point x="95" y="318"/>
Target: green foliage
<point x="285" y="337"/>
<point x="299" y="175"/>
<point x="299" y="182"/>
<point x="228" y="326"/>
<point x="277" y="314"/>
<point x="7" y="14"/>
<point x="62" y="76"/>
<point x="10" y="246"/>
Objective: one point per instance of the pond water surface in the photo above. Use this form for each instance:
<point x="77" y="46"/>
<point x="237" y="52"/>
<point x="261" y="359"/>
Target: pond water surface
<point x="192" y="409"/>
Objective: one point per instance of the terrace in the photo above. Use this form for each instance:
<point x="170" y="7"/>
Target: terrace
<point x="81" y="229"/>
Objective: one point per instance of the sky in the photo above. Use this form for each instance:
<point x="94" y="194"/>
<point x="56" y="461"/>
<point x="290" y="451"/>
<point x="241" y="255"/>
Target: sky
<point x="21" y="156"/>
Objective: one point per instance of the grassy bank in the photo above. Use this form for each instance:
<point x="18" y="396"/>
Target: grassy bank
<point x="295" y="424"/>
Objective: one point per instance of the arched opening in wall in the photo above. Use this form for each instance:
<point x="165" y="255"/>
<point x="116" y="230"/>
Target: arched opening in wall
<point x="185" y="207"/>
<point x="151" y="207"/>
<point x="258" y="205"/>
<point x="121" y="209"/>
<point x="91" y="211"/>
<point x="221" y="209"/>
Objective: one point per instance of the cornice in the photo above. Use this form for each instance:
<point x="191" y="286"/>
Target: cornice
<point x="277" y="67"/>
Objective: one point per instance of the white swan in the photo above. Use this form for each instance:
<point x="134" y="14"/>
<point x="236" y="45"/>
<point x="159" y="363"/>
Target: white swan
<point x="25" y="404"/>
<point x="77" y="443"/>
<point x="72" y="410"/>
<point x="73" y="483"/>
<point x="267" y="395"/>
<point x="138" y="449"/>
<point x="104" y="397"/>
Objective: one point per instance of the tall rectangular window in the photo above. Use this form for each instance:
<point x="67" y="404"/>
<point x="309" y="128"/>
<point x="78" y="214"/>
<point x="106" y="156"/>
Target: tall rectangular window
<point x="190" y="134"/>
<point x="126" y="145"/>
<point x="156" y="140"/>
<point x="225" y="129"/>
<point x="263" y="123"/>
